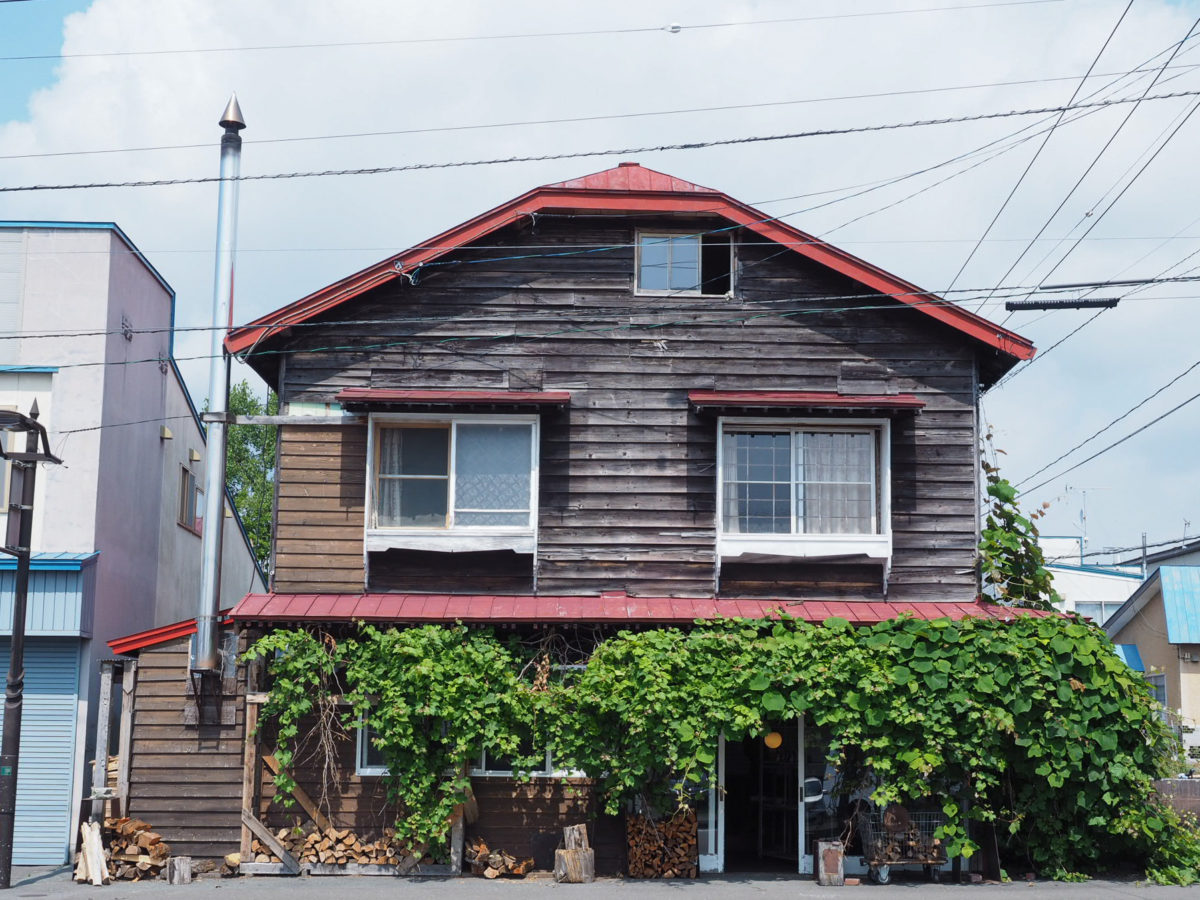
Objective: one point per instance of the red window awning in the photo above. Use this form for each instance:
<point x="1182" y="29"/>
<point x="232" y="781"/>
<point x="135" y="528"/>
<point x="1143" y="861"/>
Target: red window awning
<point x="802" y="400"/>
<point x="402" y="397"/>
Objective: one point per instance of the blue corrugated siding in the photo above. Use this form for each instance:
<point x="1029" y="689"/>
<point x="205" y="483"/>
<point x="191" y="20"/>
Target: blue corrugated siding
<point x="1181" y="603"/>
<point x="43" y="829"/>
<point x="56" y="600"/>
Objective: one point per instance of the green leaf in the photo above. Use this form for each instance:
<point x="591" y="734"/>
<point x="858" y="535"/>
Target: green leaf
<point x="772" y="701"/>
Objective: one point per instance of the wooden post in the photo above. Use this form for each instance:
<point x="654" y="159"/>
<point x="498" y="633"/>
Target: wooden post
<point x="577" y="863"/>
<point x="249" y="775"/>
<point x="179" y="870"/>
<point x="290" y="864"/>
<point x="125" y="735"/>
<point x="830" y="864"/>
<point x="457" y="841"/>
<point x="100" y="763"/>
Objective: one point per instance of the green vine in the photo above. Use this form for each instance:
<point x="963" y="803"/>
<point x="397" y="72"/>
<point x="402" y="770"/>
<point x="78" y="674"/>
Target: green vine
<point x="1032" y="724"/>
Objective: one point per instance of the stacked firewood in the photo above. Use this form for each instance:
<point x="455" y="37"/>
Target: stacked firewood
<point x="494" y="863"/>
<point x="335" y="847"/>
<point x="135" y="851"/>
<point x="663" y="848"/>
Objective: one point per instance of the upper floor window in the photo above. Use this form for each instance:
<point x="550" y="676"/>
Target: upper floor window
<point x="458" y="474"/>
<point x="804" y="489"/>
<point x="684" y="263"/>
<point x="191" y="501"/>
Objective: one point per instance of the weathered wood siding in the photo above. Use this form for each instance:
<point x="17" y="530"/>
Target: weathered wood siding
<point x="185" y="780"/>
<point x="628" y="478"/>
<point x="319" y="510"/>
<point x="525" y="818"/>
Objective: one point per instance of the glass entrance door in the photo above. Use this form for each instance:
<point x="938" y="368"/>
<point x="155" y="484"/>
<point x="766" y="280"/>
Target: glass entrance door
<point x="710" y="817"/>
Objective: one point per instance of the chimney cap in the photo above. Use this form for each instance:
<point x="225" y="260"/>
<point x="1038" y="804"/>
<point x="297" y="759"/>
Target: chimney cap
<point x="232" y="119"/>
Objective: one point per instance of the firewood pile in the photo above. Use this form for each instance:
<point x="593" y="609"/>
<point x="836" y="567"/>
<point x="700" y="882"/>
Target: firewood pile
<point x="895" y="835"/>
<point x="494" y="863"/>
<point x="663" y="848"/>
<point x="128" y="850"/>
<point x="337" y="847"/>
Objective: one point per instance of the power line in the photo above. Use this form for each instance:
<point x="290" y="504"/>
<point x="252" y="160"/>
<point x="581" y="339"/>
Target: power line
<point x="582" y="154"/>
<point x="1119" y="418"/>
<point x="1037" y="153"/>
<point x="1117" y="443"/>
<point x="594" y="118"/>
<point x="1042" y="355"/>
<point x="673" y="28"/>
<point x="1096" y="159"/>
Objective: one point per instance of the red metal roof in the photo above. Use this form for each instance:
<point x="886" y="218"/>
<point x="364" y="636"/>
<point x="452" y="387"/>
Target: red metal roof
<point x="615" y="608"/>
<point x="123" y="646"/>
<point x="804" y="400"/>
<point x="455" y="398"/>
<point x="634" y="189"/>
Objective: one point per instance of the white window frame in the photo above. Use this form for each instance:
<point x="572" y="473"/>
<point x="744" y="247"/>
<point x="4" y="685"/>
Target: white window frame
<point x="479" y="769"/>
<point x="671" y="292"/>
<point x="518" y="538"/>
<point x="873" y="546"/>
<point x="362" y="744"/>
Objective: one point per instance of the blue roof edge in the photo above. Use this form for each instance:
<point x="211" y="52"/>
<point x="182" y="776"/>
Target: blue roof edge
<point x="43" y="562"/>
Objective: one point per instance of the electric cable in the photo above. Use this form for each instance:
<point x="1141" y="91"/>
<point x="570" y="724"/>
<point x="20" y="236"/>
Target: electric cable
<point x="673" y="28"/>
<point x="582" y="154"/>
<point x="1046" y="140"/>
<point x="576" y="119"/>
<point x="1117" y="443"/>
<point x="1119" y="418"/>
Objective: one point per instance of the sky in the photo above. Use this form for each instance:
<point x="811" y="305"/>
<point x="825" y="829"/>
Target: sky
<point x="978" y="210"/>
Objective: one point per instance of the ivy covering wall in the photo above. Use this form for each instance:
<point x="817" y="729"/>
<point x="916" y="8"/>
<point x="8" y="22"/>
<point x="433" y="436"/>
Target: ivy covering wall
<point x="1034" y="724"/>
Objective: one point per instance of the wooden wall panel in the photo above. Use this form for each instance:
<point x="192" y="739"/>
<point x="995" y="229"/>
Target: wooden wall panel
<point x="185" y="780"/>
<point x="319" y="514"/>
<point x="628" y="476"/>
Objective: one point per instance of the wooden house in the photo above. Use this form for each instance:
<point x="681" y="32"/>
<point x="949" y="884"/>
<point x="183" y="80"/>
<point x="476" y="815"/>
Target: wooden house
<point x="618" y="400"/>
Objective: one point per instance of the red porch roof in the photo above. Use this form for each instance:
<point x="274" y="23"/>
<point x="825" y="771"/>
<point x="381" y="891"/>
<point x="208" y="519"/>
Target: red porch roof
<point x="616" y="608"/>
<point x="803" y="400"/>
<point x="132" y="643"/>
<point x="631" y="188"/>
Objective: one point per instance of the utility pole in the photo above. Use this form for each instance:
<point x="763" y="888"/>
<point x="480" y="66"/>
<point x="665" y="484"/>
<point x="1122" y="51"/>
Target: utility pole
<point x="17" y="543"/>
<point x="216" y="420"/>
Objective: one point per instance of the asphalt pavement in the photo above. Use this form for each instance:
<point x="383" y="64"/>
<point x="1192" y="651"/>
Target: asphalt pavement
<point x="57" y="883"/>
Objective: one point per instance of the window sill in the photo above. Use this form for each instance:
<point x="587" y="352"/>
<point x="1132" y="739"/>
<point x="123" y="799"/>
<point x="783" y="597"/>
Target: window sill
<point x="450" y="541"/>
<point x="190" y="530"/>
<point x="751" y="547"/>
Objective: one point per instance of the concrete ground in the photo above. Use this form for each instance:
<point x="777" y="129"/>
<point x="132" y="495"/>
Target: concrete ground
<point x="57" y="883"/>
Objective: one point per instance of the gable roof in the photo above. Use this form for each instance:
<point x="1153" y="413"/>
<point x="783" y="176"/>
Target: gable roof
<point x="631" y="188"/>
<point x="1179" y="588"/>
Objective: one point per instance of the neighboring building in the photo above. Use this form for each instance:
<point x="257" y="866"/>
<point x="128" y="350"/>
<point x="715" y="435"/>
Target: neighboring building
<point x="1091" y="590"/>
<point x="86" y="331"/>
<point x="1184" y="553"/>
<point x="621" y="399"/>
<point x="1162" y="619"/>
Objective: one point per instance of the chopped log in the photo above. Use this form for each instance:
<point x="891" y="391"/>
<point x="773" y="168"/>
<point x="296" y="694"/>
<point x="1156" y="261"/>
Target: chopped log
<point x="575" y="866"/>
<point x="233" y="860"/>
<point x="575" y="837"/>
<point x="179" y="870"/>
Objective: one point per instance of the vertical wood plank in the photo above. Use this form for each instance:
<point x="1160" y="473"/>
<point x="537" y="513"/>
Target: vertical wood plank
<point x="125" y="735"/>
<point x="100" y="763"/>
<point x="249" y="772"/>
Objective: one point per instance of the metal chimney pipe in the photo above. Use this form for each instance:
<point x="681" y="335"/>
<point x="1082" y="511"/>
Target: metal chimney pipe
<point x="207" y="656"/>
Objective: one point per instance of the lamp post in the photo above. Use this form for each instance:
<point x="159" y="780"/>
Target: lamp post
<point x="17" y="541"/>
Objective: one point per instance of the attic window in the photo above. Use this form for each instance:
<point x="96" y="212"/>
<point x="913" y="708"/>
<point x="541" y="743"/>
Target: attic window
<point x="684" y="263"/>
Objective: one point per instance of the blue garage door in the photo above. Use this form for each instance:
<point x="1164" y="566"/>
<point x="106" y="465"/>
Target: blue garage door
<point x="47" y="749"/>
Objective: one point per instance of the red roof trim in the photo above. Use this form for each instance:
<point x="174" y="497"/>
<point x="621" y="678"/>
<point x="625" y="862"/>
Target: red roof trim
<point x="613" y="190"/>
<point x="123" y="646"/>
<point x="804" y="399"/>
<point x="455" y="398"/>
<point x="614" y="607"/>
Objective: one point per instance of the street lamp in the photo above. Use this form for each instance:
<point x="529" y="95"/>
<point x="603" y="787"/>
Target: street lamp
<point x="20" y="530"/>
